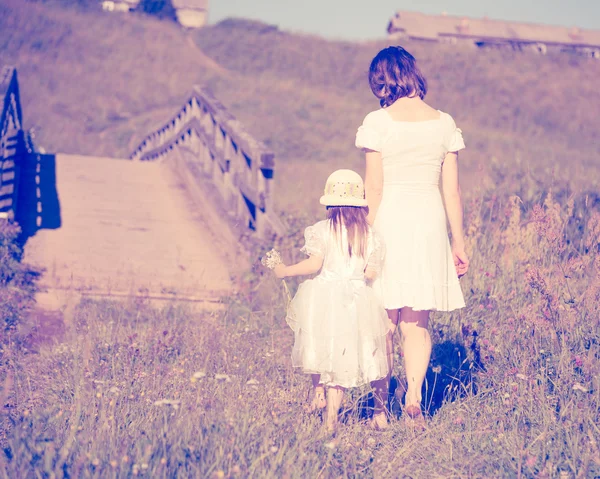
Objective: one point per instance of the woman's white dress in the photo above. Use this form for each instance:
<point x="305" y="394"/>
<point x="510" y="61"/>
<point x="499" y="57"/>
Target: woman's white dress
<point x="419" y="270"/>
<point x="339" y="323"/>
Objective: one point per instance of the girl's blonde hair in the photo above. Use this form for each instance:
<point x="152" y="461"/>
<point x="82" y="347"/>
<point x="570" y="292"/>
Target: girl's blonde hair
<point x="354" y="218"/>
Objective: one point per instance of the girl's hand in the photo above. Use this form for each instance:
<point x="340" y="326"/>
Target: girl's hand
<point x="461" y="260"/>
<point x="279" y="270"/>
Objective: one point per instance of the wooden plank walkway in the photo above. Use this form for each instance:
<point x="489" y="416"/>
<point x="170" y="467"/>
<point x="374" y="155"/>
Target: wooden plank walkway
<point x="127" y="228"/>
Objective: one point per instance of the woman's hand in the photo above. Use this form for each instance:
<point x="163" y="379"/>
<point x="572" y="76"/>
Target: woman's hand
<point x="279" y="270"/>
<point x="461" y="260"/>
<point x="370" y="219"/>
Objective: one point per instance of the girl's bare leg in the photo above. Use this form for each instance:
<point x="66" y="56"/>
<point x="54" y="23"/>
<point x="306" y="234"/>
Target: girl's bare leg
<point x="318" y="400"/>
<point x="335" y="394"/>
<point x="416" y="345"/>
<point x="381" y="387"/>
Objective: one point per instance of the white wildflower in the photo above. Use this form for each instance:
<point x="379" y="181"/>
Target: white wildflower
<point x="174" y="403"/>
<point x="580" y="387"/>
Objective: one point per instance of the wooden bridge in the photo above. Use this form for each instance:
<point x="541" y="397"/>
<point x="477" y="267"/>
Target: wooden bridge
<point x="171" y="222"/>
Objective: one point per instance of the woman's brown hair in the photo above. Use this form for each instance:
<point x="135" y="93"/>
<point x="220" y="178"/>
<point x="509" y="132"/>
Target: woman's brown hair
<point x="394" y="74"/>
<point x="354" y="218"/>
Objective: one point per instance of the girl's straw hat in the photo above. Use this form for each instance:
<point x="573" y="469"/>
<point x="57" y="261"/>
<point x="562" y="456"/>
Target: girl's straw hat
<point x="344" y="188"/>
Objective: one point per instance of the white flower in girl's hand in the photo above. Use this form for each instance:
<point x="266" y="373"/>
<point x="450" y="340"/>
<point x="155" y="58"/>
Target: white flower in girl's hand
<point x="272" y="259"/>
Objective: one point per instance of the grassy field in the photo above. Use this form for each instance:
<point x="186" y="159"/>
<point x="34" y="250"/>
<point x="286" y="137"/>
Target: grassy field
<point x="512" y="387"/>
<point x="97" y="83"/>
<point x="135" y="390"/>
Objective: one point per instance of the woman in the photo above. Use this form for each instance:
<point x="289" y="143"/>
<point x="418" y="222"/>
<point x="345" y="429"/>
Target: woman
<point x="408" y="146"/>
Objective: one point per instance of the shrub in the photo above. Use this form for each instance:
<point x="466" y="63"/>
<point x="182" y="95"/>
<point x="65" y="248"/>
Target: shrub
<point x="17" y="280"/>
<point x="159" y="8"/>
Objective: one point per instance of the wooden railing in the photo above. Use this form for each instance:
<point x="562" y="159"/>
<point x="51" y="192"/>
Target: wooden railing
<point x="12" y="141"/>
<point x="217" y="152"/>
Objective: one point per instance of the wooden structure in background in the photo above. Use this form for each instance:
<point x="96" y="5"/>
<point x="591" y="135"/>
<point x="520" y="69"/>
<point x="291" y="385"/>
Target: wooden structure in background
<point x="216" y="156"/>
<point x="189" y="13"/>
<point x="13" y="147"/>
<point x="484" y="32"/>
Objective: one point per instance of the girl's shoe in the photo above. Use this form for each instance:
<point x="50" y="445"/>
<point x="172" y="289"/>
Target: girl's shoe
<point x="318" y="400"/>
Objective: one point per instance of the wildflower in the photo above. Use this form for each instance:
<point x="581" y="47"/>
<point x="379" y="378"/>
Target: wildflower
<point x="174" y="403"/>
<point x="459" y="420"/>
<point x="252" y="382"/>
<point x="223" y="377"/>
<point x="580" y="387"/>
<point x="522" y="376"/>
<point x="437" y="369"/>
<point x="197" y="375"/>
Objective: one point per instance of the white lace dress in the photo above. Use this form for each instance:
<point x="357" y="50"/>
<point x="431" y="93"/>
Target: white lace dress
<point x="339" y="324"/>
<point x="419" y="270"/>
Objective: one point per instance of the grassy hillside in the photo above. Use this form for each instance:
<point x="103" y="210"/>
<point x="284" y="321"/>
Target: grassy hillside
<point x="96" y="83"/>
<point x="513" y="386"/>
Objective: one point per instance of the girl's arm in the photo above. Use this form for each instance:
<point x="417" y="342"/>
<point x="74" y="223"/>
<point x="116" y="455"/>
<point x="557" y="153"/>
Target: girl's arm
<point x="454" y="210"/>
<point x="373" y="182"/>
<point x="310" y="265"/>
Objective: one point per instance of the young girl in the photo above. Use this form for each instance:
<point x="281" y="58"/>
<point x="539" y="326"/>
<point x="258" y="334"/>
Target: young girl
<point x="340" y="326"/>
<point x="408" y="146"/>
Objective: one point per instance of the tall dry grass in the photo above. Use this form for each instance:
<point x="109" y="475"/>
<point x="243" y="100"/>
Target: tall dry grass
<point x="96" y="83"/>
<point x="127" y="390"/>
<point x="512" y="387"/>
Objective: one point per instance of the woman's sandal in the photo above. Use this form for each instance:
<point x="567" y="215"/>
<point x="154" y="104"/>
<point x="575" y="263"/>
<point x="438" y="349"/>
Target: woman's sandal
<point x="379" y="422"/>
<point x="318" y="400"/>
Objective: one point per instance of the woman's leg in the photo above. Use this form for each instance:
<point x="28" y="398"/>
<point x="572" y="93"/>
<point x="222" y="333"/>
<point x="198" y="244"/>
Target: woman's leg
<point x="335" y="394"/>
<point x="416" y="345"/>
<point x="381" y="387"/>
<point x="318" y="394"/>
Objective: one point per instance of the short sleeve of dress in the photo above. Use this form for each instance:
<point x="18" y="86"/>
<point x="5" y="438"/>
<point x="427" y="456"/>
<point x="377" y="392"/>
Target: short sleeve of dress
<point x="377" y="256"/>
<point x="455" y="140"/>
<point x="314" y="240"/>
<point x="369" y="134"/>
